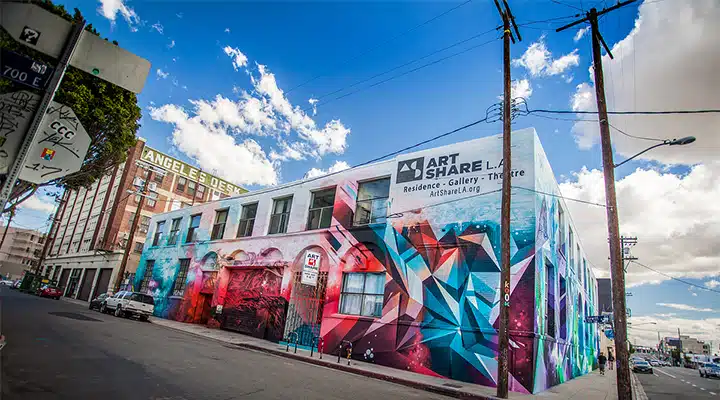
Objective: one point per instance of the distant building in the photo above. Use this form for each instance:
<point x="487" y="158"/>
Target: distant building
<point x="691" y="345"/>
<point x="20" y="251"/>
<point x="92" y="225"/>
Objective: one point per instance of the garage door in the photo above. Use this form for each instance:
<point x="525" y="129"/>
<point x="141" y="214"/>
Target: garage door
<point x="87" y="283"/>
<point x="103" y="281"/>
<point x="64" y="275"/>
<point x="253" y="304"/>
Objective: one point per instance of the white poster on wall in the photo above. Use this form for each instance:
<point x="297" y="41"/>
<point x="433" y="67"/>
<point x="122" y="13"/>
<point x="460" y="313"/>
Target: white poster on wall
<point x="311" y="268"/>
<point x="461" y="170"/>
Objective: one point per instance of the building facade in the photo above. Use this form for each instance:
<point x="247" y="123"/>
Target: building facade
<point x="399" y="258"/>
<point x="92" y="225"/>
<point x="20" y="251"/>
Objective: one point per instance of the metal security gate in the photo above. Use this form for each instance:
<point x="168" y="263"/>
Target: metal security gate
<point x="305" y="310"/>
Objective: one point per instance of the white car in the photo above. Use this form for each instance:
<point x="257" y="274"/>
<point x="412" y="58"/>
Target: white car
<point x="125" y="304"/>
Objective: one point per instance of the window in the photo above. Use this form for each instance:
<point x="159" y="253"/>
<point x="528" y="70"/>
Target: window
<point x="362" y="294"/>
<point x="158" y="233"/>
<point x="147" y="277"/>
<point x="138" y="247"/>
<point x="200" y="194"/>
<point x="174" y="231"/>
<point x="191" y="187"/>
<point x="321" y="209"/>
<point x="181" y="277"/>
<point x="144" y="223"/>
<point x="280" y="215"/>
<point x="158" y="178"/>
<point x="247" y="220"/>
<point x="181" y="184"/>
<point x="549" y="299"/>
<point x="192" y="230"/>
<point x="150" y="202"/>
<point x="372" y="201"/>
<point x="219" y="227"/>
<point x="142" y="298"/>
<point x="561" y="229"/>
<point x="571" y="257"/>
<point x="563" y="308"/>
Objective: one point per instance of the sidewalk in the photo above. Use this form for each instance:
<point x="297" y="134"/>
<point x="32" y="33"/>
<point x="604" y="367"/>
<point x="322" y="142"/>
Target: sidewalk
<point x="589" y="387"/>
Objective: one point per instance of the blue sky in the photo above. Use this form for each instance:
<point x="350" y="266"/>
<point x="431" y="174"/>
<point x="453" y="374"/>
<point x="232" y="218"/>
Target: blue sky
<point x="341" y="43"/>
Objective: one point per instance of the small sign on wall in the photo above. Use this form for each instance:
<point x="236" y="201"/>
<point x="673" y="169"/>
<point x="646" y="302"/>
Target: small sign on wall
<point x="311" y="268"/>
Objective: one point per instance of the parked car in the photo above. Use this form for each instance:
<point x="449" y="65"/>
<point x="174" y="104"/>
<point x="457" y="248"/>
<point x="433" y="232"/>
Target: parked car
<point x="16" y="284"/>
<point x="642" y="366"/>
<point x="97" y="302"/>
<point x="6" y="282"/>
<point x="709" y="370"/>
<point x="49" y="291"/>
<point x="655" y="363"/>
<point x="125" y="304"/>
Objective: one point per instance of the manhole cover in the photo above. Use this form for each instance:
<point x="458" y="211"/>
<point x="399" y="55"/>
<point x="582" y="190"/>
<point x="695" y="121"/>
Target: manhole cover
<point x="452" y="385"/>
<point x="72" y="315"/>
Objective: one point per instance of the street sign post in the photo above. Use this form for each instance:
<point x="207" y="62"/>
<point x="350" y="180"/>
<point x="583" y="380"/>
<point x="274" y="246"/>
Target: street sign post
<point x="16" y="111"/>
<point x="24" y="70"/>
<point x="47" y="33"/>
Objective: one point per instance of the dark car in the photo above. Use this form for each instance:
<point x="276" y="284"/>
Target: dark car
<point x="97" y="301"/>
<point x="642" y="366"/>
<point x="49" y="291"/>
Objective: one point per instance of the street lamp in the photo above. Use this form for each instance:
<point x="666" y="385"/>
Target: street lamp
<point x="666" y="142"/>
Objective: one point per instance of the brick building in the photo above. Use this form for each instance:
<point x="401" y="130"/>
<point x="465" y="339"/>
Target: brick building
<point x="92" y="225"/>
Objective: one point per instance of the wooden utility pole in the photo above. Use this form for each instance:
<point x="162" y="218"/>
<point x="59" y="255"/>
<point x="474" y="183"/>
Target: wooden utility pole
<point x="504" y="314"/>
<point x="12" y="214"/>
<point x="46" y="245"/>
<point x="622" y="352"/>
<point x="131" y="234"/>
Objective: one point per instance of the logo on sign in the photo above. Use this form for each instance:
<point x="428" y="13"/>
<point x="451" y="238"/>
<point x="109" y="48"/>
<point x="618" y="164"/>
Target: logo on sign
<point x="410" y="170"/>
<point x="29" y="35"/>
<point x="311" y="268"/>
<point x="47" y="154"/>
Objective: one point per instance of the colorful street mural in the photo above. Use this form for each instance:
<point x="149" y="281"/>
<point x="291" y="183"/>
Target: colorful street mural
<point x="438" y="251"/>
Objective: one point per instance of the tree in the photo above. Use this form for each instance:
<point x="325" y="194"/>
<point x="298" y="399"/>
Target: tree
<point x="109" y="114"/>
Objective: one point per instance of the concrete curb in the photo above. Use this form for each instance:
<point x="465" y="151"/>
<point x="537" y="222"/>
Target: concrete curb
<point x="438" y="389"/>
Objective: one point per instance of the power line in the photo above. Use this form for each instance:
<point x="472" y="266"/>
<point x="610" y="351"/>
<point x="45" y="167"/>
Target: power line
<point x="384" y="43"/>
<point x="408" y="63"/>
<point x="567" y="5"/>
<point x="633" y="136"/>
<point x="676" y="279"/>
<point x="400" y="74"/>
<point x="560" y="196"/>
<point x="525" y="24"/>
<point x="667" y="112"/>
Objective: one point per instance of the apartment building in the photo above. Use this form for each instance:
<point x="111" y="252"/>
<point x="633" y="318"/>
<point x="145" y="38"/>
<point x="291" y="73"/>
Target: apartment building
<point x="92" y="225"/>
<point x="20" y="251"/>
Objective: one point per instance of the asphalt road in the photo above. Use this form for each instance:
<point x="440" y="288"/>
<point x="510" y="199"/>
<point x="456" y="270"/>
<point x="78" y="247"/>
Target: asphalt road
<point x="679" y="383"/>
<point x="60" y="350"/>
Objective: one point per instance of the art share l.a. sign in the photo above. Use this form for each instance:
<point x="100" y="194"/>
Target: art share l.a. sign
<point x="455" y="172"/>
<point x="311" y="268"/>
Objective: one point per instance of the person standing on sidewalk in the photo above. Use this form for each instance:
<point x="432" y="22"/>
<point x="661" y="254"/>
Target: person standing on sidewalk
<point x="602" y="360"/>
<point x="611" y="360"/>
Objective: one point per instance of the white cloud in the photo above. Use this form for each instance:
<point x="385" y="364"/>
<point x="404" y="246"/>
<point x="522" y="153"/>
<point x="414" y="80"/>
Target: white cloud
<point x="313" y="103"/>
<point x="580" y="33"/>
<point x="684" y="307"/>
<point x="227" y="30"/>
<point x="171" y="44"/>
<point x="712" y="284"/>
<point x="337" y="167"/>
<point x="242" y="162"/>
<point x="111" y="8"/>
<point x="161" y="74"/>
<point x="521" y="88"/>
<point x="239" y="59"/>
<point x="651" y="71"/>
<point x="672" y="215"/>
<point x="538" y="60"/>
<point x="38" y="204"/>
<point x="264" y="112"/>
<point x="644" y="329"/>
<point x="179" y="15"/>
<point x="158" y="27"/>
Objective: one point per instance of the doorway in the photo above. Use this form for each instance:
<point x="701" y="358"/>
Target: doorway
<point x="305" y="309"/>
<point x="203" y="308"/>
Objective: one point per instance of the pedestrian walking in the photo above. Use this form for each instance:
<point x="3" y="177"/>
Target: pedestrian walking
<point x="611" y="360"/>
<point x="602" y="360"/>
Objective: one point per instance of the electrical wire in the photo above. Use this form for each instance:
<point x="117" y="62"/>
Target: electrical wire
<point x="560" y="196"/>
<point x="383" y="43"/>
<point x="548" y="20"/>
<point x="400" y="75"/>
<point x="633" y="136"/>
<point x="407" y="63"/>
<point x="567" y="5"/>
<point x="676" y="279"/>
<point x="666" y="112"/>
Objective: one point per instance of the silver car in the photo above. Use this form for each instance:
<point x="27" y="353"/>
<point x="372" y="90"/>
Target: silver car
<point x="125" y="304"/>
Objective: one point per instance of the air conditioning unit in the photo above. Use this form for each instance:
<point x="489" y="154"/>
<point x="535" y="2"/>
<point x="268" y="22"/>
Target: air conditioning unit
<point x="138" y="181"/>
<point x="152" y="186"/>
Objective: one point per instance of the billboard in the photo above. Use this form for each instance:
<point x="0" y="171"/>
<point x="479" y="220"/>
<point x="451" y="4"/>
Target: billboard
<point x="168" y="163"/>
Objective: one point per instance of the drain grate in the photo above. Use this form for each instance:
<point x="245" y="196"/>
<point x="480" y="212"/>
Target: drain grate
<point x="452" y="385"/>
<point x="71" y="315"/>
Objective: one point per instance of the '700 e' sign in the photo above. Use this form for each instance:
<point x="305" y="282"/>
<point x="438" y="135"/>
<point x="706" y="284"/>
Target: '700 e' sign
<point x="24" y="70"/>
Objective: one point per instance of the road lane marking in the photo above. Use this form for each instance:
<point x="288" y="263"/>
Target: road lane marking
<point x="694" y="385"/>
<point x="712" y="393"/>
<point x="702" y="388"/>
<point x="663" y="372"/>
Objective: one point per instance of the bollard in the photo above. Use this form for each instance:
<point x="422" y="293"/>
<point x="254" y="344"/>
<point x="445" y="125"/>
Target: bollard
<point x="349" y="350"/>
<point x="288" y="341"/>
